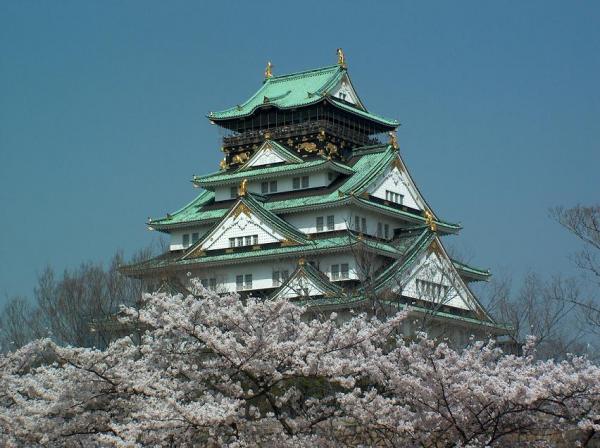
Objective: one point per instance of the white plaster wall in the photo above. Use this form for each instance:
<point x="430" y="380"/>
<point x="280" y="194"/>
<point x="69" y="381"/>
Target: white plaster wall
<point x="393" y="180"/>
<point x="284" y="183"/>
<point x="176" y="237"/>
<point x="262" y="274"/>
<point x="344" y="218"/>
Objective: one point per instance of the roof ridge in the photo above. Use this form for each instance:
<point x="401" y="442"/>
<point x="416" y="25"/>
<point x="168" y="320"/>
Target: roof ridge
<point x="305" y="72"/>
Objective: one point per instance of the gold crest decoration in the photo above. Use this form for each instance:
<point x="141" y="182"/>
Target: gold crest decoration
<point x="429" y="221"/>
<point x="341" y="58"/>
<point x="269" y="70"/>
<point x="243" y="188"/>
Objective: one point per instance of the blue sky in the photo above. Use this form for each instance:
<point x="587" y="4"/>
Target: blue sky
<point x="102" y="114"/>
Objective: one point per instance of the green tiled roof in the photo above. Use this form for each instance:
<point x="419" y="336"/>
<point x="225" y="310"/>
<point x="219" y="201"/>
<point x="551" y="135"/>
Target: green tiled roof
<point x="296" y="90"/>
<point x="313" y="247"/>
<point x="369" y="164"/>
<point x="227" y="177"/>
<point x="472" y="272"/>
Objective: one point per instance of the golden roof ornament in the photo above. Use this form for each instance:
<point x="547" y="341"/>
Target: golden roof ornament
<point x="243" y="188"/>
<point x="223" y="164"/>
<point x="269" y="70"/>
<point x="302" y="261"/>
<point x="429" y="221"/>
<point x="394" y="140"/>
<point x="341" y="58"/>
<point x="267" y="135"/>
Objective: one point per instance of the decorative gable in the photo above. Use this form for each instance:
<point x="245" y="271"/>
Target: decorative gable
<point x="345" y="92"/>
<point x="241" y="223"/>
<point x="434" y="279"/>
<point x="394" y="185"/>
<point x="306" y="281"/>
<point x="270" y="152"/>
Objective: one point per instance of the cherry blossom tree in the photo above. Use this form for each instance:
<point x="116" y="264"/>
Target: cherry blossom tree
<point x="215" y="370"/>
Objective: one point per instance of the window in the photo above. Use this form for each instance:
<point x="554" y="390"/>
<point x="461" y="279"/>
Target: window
<point x="344" y="269"/>
<point x="386" y="231"/>
<point x="363" y="222"/>
<point x="319" y="223"/>
<point x="379" y="230"/>
<point x="432" y="290"/>
<point x="209" y="283"/>
<point x="186" y="239"/>
<point x="335" y="271"/>
<point x="279" y="277"/>
<point x="296" y="183"/>
<point x="240" y="241"/>
<point x="394" y="197"/>
<point x="268" y="187"/>
<point x="357" y="223"/>
<point x="342" y="96"/>
<point x="243" y="282"/>
<point x="304" y="181"/>
<point x="331" y="222"/>
<point x="195" y="237"/>
<point x="233" y="192"/>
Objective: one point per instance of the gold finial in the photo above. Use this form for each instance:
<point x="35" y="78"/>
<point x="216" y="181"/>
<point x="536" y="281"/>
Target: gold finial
<point x="269" y="70"/>
<point x="301" y="261"/>
<point x="267" y="135"/>
<point x="394" y="140"/>
<point x="341" y="58"/>
<point x="243" y="188"/>
<point x="223" y="164"/>
<point x="429" y="221"/>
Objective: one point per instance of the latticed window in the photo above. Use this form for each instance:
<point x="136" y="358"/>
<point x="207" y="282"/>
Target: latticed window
<point x="296" y="183"/>
<point x="195" y="237"/>
<point x="248" y="281"/>
<point x="394" y="197"/>
<point x="344" y="270"/>
<point x="273" y="186"/>
<point x="335" y="271"/>
<point x="379" y="230"/>
<point x="239" y="282"/>
<point x="319" y="223"/>
<point x="331" y="222"/>
<point x="233" y="192"/>
<point x="186" y="239"/>
<point x="305" y="182"/>
<point x="432" y="290"/>
<point x="386" y="231"/>
<point x="264" y="187"/>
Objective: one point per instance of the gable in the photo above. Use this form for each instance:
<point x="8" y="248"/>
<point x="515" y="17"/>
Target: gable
<point x="241" y="222"/>
<point x="299" y="286"/>
<point x="396" y="181"/>
<point x="269" y="153"/>
<point x="433" y="278"/>
<point x="345" y="91"/>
